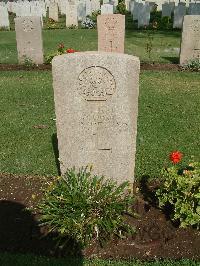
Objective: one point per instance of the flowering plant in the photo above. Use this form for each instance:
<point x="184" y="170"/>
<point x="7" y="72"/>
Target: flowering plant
<point x="60" y="50"/>
<point x="180" y="189"/>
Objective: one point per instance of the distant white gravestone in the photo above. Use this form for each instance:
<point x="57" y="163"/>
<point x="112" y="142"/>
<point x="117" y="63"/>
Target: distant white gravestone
<point x="179" y="13"/>
<point x="53" y="11"/>
<point x="96" y="104"/>
<point x="107" y="9"/>
<point x="4" y="18"/>
<point x="190" y="44"/>
<point x="29" y="39"/>
<point x="71" y="14"/>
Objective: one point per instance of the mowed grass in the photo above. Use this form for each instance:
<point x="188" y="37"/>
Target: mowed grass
<point x="168" y="120"/>
<point x="165" y="44"/>
<point x="31" y="260"/>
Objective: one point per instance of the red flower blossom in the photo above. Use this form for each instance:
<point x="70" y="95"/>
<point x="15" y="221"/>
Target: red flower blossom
<point x="175" y="156"/>
<point x="70" y="50"/>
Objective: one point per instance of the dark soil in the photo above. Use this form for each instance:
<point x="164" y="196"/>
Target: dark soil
<point x="144" y="66"/>
<point x="156" y="236"/>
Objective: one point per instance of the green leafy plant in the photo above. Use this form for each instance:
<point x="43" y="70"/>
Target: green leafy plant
<point x="149" y="44"/>
<point x="83" y="207"/>
<point x="94" y="16"/>
<point x="193" y="64"/>
<point x="121" y="7"/>
<point x="60" y="50"/>
<point x="28" y="62"/>
<point x="180" y="189"/>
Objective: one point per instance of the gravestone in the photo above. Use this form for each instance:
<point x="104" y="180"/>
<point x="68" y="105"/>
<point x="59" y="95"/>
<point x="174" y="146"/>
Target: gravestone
<point x="63" y="4"/>
<point x="4" y="18"/>
<point x="95" y="5"/>
<point x="135" y="10"/>
<point x="143" y="15"/>
<point x="167" y="9"/>
<point x="29" y="39"/>
<point x="194" y="9"/>
<point x="88" y="7"/>
<point x="53" y="11"/>
<point x="179" y="13"/>
<point x="190" y="44"/>
<point x="96" y="104"/>
<point x="71" y="14"/>
<point x="81" y="11"/>
<point x="106" y="9"/>
<point x="111" y="33"/>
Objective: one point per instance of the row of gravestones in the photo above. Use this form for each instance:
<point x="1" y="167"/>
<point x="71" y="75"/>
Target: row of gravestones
<point x="78" y="10"/>
<point x="96" y="95"/>
<point x="142" y="11"/>
<point x="111" y="31"/>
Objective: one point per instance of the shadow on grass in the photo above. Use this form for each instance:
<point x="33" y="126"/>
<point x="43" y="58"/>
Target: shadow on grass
<point x="56" y="151"/>
<point x="172" y="59"/>
<point x="20" y="233"/>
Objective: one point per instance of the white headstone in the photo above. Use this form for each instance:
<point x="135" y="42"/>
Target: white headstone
<point x="29" y="39"/>
<point x="190" y="45"/>
<point x="71" y="14"/>
<point x="179" y="13"/>
<point x="143" y="15"/>
<point x="96" y="104"/>
<point x="4" y="18"/>
<point x="106" y="9"/>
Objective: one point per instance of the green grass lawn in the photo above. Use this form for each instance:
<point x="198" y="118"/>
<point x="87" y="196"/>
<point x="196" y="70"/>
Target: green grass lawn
<point x="168" y="120"/>
<point x="31" y="260"/>
<point x="164" y="43"/>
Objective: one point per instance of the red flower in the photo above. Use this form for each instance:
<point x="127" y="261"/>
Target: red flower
<point x="175" y="156"/>
<point x="69" y="51"/>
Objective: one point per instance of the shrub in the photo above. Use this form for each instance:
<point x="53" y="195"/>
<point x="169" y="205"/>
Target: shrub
<point x="81" y="207"/>
<point x="121" y="7"/>
<point x="180" y="189"/>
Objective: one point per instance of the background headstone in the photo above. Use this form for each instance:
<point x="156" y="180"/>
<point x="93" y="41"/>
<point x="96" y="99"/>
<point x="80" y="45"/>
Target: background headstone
<point x="96" y="103"/>
<point x="143" y="15"/>
<point x="29" y="39"/>
<point x="4" y="18"/>
<point x="179" y="13"/>
<point x="107" y="9"/>
<point x="111" y="33"/>
<point x="53" y="11"/>
<point x="71" y="14"/>
<point x="190" y="45"/>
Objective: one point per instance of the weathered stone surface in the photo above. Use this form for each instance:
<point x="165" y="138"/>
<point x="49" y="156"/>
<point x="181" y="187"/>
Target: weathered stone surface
<point x="29" y="39"/>
<point x="96" y="103"/>
<point x="111" y="33"/>
<point x="190" y="45"/>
